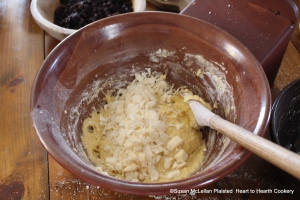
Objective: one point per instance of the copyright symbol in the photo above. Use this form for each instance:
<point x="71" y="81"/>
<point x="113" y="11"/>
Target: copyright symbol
<point x="173" y="190"/>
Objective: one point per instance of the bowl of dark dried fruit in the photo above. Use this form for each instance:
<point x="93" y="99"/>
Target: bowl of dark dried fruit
<point x="60" y="18"/>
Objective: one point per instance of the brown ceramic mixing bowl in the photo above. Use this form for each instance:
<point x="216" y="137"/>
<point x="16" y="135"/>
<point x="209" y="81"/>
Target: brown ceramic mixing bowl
<point x="107" y="53"/>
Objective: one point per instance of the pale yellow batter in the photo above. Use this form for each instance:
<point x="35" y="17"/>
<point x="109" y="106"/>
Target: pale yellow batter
<point x="145" y="133"/>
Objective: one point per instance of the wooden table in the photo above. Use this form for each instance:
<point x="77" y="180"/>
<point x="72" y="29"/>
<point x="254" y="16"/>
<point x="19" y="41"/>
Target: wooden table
<point x="26" y="170"/>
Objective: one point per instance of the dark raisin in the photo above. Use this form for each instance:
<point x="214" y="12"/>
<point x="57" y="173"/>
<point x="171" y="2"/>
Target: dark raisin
<point x="65" y="2"/>
<point x="90" y="129"/>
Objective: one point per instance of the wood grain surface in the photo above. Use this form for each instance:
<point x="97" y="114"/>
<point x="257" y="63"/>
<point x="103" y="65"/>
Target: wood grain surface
<point x="23" y="160"/>
<point x="26" y="170"/>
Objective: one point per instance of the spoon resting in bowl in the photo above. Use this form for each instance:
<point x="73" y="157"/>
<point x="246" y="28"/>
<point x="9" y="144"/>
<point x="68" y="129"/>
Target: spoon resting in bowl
<point x="267" y="150"/>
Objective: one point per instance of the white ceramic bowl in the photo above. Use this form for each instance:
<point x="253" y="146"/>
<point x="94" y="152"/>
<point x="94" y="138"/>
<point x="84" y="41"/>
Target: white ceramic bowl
<point x="43" y="13"/>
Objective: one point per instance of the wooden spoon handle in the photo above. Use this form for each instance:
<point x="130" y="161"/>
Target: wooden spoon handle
<point x="271" y="152"/>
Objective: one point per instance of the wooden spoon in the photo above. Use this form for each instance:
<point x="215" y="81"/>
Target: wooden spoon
<point x="269" y="151"/>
